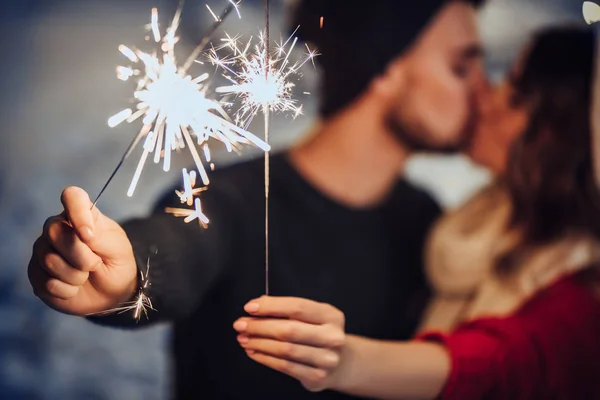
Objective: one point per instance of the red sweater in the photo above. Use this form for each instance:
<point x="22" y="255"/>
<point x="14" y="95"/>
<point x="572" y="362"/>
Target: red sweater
<point x="548" y="349"/>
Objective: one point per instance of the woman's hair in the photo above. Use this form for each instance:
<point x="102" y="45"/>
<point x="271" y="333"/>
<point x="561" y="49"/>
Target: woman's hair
<point x="550" y="178"/>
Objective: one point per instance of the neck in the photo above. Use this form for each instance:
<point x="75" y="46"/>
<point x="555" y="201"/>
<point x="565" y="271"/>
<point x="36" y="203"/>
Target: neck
<point x="353" y="158"/>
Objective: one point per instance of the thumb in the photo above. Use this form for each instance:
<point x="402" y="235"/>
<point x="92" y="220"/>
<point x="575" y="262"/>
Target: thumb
<point x="79" y="212"/>
<point x="101" y="234"/>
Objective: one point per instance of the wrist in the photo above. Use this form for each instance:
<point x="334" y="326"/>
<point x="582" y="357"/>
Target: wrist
<point x="342" y="377"/>
<point x="126" y="294"/>
<point x="131" y="288"/>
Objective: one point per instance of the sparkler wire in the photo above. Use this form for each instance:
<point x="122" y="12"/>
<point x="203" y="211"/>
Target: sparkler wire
<point x="118" y="167"/>
<point x="267" y="153"/>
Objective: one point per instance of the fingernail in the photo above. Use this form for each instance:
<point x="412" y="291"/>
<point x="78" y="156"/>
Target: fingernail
<point x="240" y="326"/>
<point x="250" y="352"/>
<point x="251" y="307"/>
<point x="86" y="233"/>
<point x="243" y="339"/>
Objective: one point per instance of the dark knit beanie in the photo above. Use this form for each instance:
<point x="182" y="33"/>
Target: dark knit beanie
<point x="358" y="40"/>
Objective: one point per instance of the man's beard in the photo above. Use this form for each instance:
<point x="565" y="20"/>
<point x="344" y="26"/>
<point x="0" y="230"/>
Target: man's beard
<point x="415" y="141"/>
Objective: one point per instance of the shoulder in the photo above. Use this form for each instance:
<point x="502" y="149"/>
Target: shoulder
<point x="590" y="280"/>
<point x="568" y="308"/>
<point x="575" y="296"/>
<point x="561" y="324"/>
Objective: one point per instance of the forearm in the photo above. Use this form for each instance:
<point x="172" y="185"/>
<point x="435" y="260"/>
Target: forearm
<point x="177" y="260"/>
<point x="180" y="261"/>
<point x="392" y="370"/>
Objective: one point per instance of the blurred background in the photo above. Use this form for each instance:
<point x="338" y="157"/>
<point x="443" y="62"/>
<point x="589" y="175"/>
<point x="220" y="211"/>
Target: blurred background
<point x="58" y="88"/>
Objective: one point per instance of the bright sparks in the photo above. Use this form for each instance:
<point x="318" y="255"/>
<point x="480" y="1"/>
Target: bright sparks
<point x="173" y="106"/>
<point x="262" y="81"/>
<point x="141" y="304"/>
<point x="189" y="197"/>
<point x="189" y="192"/>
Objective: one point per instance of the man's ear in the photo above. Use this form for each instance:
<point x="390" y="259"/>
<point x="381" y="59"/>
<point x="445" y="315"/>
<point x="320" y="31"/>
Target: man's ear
<point x="392" y="81"/>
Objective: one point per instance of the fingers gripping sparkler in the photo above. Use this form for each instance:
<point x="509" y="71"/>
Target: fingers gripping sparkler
<point x="173" y="104"/>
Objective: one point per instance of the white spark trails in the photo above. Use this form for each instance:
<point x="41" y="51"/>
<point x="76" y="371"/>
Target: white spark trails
<point x="189" y="192"/>
<point x="189" y="197"/>
<point x="175" y="110"/>
<point x="262" y="81"/>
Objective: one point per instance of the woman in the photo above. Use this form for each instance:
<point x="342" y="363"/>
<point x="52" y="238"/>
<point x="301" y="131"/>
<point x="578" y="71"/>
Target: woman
<point x="517" y="312"/>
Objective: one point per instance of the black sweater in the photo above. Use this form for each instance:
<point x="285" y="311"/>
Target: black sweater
<point x="366" y="262"/>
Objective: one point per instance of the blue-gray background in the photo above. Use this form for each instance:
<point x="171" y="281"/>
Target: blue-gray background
<point x="57" y="88"/>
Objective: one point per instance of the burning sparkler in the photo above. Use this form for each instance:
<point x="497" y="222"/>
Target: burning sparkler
<point x="189" y="197"/>
<point x="262" y="80"/>
<point x="141" y="304"/>
<point x="173" y="105"/>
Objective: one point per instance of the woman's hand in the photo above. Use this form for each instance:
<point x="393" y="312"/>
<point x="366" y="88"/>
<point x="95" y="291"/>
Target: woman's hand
<point x="298" y="337"/>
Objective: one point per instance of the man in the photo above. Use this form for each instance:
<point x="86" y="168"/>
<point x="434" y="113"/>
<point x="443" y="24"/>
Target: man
<point x="342" y="222"/>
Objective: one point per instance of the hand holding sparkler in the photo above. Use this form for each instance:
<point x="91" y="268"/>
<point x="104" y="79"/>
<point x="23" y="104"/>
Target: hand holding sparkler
<point x="83" y="263"/>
